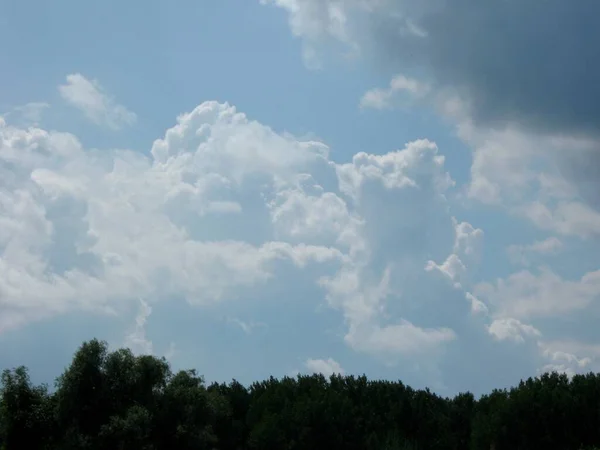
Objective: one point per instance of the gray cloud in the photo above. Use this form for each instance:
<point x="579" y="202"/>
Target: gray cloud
<point x="535" y="63"/>
<point x="524" y="67"/>
<point x="523" y="64"/>
<point x="584" y="168"/>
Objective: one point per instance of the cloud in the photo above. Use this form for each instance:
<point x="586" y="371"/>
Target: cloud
<point x="98" y="106"/>
<point x="566" y="218"/>
<point x="87" y="229"/>
<point x="27" y="114"/>
<point x="469" y="49"/>
<point x="468" y="243"/>
<point x="465" y="45"/>
<point x="312" y="19"/>
<point x="512" y="329"/>
<point x="136" y="340"/>
<point x="524" y="172"/>
<point x="246" y="327"/>
<point x="316" y="21"/>
<point x="325" y="366"/>
<point x="568" y="357"/>
<point x="525" y="294"/>
<point x="415" y="181"/>
<point x="477" y="306"/>
<point x="547" y="179"/>
<point x="403" y="338"/>
<point x="531" y="121"/>
<point x="222" y="207"/>
<point x="378" y="98"/>
<point x="532" y="126"/>
<point x="521" y="254"/>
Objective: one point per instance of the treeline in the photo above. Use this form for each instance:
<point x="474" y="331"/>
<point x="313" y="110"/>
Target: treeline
<point x="115" y="400"/>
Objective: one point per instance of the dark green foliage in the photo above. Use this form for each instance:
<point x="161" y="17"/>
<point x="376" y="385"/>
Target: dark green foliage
<point x="117" y="401"/>
<point x="26" y="412"/>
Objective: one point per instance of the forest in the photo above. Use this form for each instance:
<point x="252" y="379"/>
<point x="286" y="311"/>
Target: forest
<point x="117" y="400"/>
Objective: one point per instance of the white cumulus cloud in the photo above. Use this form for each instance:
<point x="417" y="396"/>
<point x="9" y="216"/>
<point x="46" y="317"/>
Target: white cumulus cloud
<point x="221" y="205"/>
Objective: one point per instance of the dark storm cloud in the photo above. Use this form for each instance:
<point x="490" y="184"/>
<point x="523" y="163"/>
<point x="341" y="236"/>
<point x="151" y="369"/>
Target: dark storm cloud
<point x="532" y="62"/>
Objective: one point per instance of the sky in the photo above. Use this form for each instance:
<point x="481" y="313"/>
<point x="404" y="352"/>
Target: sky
<point x="407" y="189"/>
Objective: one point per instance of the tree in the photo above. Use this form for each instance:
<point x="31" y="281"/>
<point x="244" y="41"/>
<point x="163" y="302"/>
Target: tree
<point x="26" y="412"/>
<point x="116" y="400"/>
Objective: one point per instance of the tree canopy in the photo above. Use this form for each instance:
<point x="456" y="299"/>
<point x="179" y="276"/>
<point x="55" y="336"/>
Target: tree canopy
<point x="116" y="400"/>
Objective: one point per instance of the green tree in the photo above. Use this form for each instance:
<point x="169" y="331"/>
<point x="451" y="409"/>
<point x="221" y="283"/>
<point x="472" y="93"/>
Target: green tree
<point x="116" y="400"/>
<point x="26" y="412"/>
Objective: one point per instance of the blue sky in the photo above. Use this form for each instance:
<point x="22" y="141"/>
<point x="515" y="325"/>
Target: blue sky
<point x="397" y="188"/>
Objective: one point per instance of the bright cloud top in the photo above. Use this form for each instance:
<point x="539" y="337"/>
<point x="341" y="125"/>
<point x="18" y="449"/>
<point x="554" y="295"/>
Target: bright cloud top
<point x="90" y="230"/>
